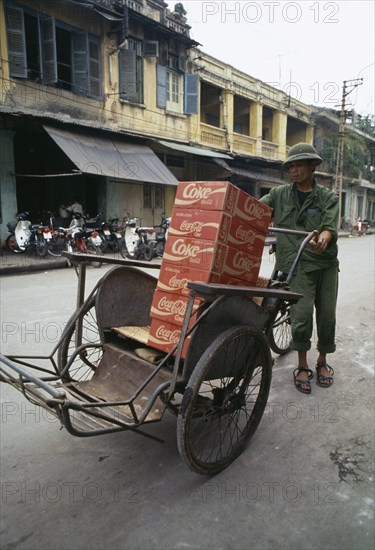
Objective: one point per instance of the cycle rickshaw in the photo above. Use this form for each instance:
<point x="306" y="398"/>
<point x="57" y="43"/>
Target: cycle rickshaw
<point x="102" y="377"/>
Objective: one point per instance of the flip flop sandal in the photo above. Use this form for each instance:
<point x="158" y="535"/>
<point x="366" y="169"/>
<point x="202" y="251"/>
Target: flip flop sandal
<point x="298" y="381"/>
<point x="321" y="378"/>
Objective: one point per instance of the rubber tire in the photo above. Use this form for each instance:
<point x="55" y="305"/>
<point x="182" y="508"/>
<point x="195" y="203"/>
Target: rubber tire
<point x="125" y="252"/>
<point x="41" y="248"/>
<point x="11" y="244"/>
<point x="95" y="251"/>
<point x="280" y="337"/>
<point x="56" y="246"/>
<point x="82" y="368"/>
<point x="148" y="253"/>
<point x="221" y="352"/>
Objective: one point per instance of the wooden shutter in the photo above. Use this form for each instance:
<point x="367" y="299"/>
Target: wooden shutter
<point x="16" y="42"/>
<point x="49" y="51"/>
<point x="128" y="74"/>
<point x="94" y="67"/>
<point x="191" y="94"/>
<point x="80" y="47"/>
<point x="161" y="86"/>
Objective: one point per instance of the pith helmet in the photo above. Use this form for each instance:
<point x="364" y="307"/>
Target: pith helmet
<point x="302" y="151"/>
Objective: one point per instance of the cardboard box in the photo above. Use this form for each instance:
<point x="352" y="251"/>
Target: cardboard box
<point x="208" y="225"/>
<point x="165" y="336"/>
<point x="175" y="278"/>
<point x="242" y="266"/>
<point x="252" y="211"/>
<point x="207" y="195"/>
<point x="195" y="253"/>
<point x="171" y="308"/>
<point x="243" y="236"/>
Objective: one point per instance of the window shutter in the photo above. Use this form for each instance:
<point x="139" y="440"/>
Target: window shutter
<point x="128" y="74"/>
<point x="161" y="86"/>
<point x="151" y="48"/>
<point x="191" y="94"/>
<point x="49" y="51"/>
<point x="16" y="42"/>
<point x="182" y="63"/>
<point x="80" y="63"/>
<point x="94" y="67"/>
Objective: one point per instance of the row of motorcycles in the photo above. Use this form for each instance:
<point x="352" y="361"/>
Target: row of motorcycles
<point x="88" y="236"/>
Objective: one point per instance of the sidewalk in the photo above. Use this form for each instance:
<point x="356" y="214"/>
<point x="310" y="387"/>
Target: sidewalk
<point x="12" y="264"/>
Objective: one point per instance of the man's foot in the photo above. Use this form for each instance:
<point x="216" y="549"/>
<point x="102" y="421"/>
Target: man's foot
<point x="302" y="383"/>
<point x="324" y="374"/>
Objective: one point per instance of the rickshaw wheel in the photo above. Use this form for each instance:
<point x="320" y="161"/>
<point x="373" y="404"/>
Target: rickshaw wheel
<point x="85" y="364"/>
<point x="280" y="334"/>
<point x="224" y="400"/>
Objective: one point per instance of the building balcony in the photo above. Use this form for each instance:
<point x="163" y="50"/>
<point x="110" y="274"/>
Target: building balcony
<point x="270" y="150"/>
<point x="244" y="144"/>
<point x="212" y="136"/>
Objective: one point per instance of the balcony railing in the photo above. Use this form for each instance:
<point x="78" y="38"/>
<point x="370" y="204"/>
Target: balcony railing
<point x="244" y="144"/>
<point x="213" y="136"/>
<point x="270" y="150"/>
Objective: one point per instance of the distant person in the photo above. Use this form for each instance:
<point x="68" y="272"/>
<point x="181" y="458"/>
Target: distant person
<point x="305" y="205"/>
<point x="75" y="207"/>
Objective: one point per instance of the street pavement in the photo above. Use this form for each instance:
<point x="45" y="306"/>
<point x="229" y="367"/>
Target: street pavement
<point x="11" y="263"/>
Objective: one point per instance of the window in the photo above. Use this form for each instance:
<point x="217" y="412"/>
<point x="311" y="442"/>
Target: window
<point x="46" y="50"/>
<point x="131" y="71"/>
<point x="173" y="87"/>
<point x="176" y="91"/>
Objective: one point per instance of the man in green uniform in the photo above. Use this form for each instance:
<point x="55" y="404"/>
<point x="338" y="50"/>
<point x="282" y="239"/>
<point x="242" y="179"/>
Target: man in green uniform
<point x="305" y="205"/>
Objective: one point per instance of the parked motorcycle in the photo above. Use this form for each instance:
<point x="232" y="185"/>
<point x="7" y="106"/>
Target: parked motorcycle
<point x="83" y="240"/>
<point x="26" y="236"/>
<point x="159" y="241"/>
<point x="111" y="237"/>
<point x="136" y="243"/>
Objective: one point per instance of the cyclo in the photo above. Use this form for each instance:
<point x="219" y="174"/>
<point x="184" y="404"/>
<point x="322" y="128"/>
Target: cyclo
<point x="98" y="381"/>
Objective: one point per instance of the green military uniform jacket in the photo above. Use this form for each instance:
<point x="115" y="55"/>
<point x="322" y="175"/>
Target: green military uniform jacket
<point x="319" y="211"/>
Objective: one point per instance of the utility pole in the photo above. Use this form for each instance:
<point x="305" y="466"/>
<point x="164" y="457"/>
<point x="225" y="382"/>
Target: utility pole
<point x="347" y="88"/>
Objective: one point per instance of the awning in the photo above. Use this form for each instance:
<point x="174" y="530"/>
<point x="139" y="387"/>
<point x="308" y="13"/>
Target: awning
<point x="106" y="156"/>
<point x="193" y="150"/>
<point x="250" y="174"/>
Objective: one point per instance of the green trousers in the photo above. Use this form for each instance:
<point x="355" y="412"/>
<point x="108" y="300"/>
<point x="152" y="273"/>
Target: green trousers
<point x="319" y="289"/>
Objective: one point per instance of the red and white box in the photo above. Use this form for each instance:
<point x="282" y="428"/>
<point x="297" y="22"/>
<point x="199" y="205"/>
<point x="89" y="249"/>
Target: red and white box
<point x="252" y="211"/>
<point x="171" y="307"/>
<point x="242" y="266"/>
<point x="208" y="225"/>
<point x="245" y="237"/>
<point x="175" y="278"/>
<point x="207" y="195"/>
<point x="195" y="253"/>
<point x="165" y="336"/>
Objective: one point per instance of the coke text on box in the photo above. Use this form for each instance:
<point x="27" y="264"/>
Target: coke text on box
<point x="175" y="278"/>
<point x="242" y="266"/>
<point x="244" y="237"/>
<point x="209" y="225"/>
<point x="165" y="336"/>
<point x="195" y="253"/>
<point x="207" y="195"/>
<point x="171" y="308"/>
<point x="253" y="212"/>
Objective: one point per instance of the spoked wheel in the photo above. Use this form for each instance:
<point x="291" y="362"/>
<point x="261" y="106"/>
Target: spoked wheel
<point x="11" y="244"/>
<point x="280" y="334"/>
<point x="224" y="400"/>
<point x="57" y="245"/>
<point x="95" y="251"/>
<point x="41" y="248"/>
<point x="84" y="331"/>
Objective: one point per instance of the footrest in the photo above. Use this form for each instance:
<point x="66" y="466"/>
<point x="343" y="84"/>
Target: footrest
<point x="140" y="334"/>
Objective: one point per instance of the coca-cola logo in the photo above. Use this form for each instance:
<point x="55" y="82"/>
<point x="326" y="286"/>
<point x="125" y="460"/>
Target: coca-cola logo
<point x="170" y="336"/>
<point x="224" y="229"/>
<point x="253" y="209"/>
<point x="178" y="283"/>
<point x="242" y="263"/>
<point x="231" y="198"/>
<point x="182" y="248"/>
<point x="192" y="191"/>
<point x="245" y="235"/>
<point x="175" y="307"/>
<point x="194" y="227"/>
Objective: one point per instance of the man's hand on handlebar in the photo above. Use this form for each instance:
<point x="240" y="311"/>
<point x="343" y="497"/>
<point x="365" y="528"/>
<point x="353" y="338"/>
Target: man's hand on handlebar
<point x="320" y="241"/>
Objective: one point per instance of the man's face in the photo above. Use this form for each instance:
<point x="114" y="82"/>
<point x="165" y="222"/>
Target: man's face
<point x="301" y="170"/>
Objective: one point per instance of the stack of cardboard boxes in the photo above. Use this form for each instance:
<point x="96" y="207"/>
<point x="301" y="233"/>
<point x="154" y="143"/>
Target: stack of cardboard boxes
<point x="216" y="235"/>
